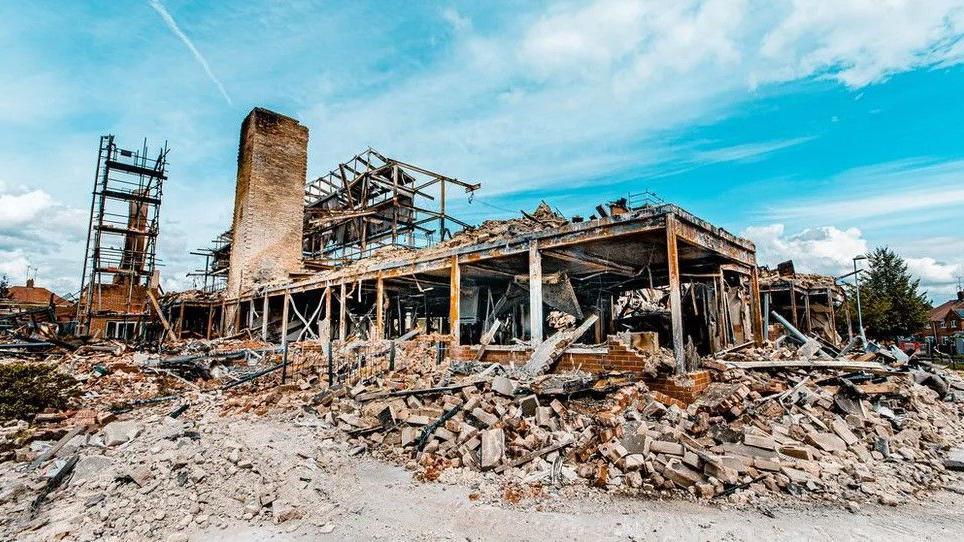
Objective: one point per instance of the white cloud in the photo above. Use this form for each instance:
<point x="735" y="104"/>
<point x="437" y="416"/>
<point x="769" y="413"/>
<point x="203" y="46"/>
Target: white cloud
<point x="830" y="250"/>
<point x="42" y="235"/>
<point x="13" y="264"/>
<point x="457" y="20"/>
<point x="825" y="250"/>
<point x="593" y="83"/>
<point x="19" y="209"/>
<point x="931" y="271"/>
<point x="859" y="42"/>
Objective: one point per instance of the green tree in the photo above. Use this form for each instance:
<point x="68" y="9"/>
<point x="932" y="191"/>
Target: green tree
<point x="890" y="298"/>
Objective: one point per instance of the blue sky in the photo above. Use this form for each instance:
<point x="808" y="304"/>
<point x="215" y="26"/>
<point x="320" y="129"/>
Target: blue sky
<point x="817" y="128"/>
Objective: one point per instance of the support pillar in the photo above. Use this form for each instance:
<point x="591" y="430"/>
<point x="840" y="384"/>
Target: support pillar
<point x="236" y="322"/>
<point x="180" y="321"/>
<point x="379" y="308"/>
<point x="251" y="312"/>
<point x="833" y="313"/>
<point x="535" y="293"/>
<point x="455" y="297"/>
<point x="264" y="318"/>
<point x="793" y="305"/>
<point x="342" y="313"/>
<point x="758" y="331"/>
<point x="675" y="302"/>
<point x="284" y="319"/>
<point x="222" y="319"/>
<point x="207" y="332"/>
<point x="326" y="331"/>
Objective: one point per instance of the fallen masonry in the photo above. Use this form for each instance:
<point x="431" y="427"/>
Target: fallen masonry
<point x="761" y="435"/>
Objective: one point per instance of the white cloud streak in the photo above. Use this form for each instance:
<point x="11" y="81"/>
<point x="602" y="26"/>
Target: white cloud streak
<point x="172" y="25"/>
<point x="749" y="152"/>
<point x="881" y="192"/>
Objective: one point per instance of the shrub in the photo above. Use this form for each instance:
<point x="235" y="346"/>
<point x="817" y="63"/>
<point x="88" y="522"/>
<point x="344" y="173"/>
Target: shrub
<point x="29" y="388"/>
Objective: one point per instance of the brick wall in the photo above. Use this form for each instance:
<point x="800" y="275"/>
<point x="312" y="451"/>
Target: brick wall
<point x="268" y="222"/>
<point x="110" y="303"/>
<point x="685" y="388"/>
<point x="618" y="357"/>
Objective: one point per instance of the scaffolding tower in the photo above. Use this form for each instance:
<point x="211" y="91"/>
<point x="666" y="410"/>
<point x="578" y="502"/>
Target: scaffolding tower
<point x="122" y="237"/>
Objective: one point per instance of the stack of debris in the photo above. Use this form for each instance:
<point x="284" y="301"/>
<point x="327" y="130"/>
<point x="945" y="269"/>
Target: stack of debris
<point x="775" y="421"/>
<point x="823" y="433"/>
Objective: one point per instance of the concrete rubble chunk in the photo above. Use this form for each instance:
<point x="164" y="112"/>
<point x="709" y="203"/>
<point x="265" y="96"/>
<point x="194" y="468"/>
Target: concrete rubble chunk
<point x="93" y="466"/>
<point x="843" y="431"/>
<point x="485" y="417"/>
<point x="665" y="447"/>
<point x="117" y="433"/>
<point x="503" y="386"/>
<point x="612" y="450"/>
<point x="955" y="459"/>
<point x="141" y="475"/>
<point x="493" y="448"/>
<point x="827" y="442"/>
<point x="284" y="509"/>
<point x="681" y="474"/>
<point x="633" y="462"/>
<point x="543" y="416"/>
<point x="759" y="441"/>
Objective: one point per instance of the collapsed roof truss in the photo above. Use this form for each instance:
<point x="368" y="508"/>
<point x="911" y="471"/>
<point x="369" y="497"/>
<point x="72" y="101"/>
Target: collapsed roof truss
<point x="373" y="201"/>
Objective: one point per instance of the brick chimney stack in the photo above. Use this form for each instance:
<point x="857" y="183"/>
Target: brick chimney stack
<point x="269" y="201"/>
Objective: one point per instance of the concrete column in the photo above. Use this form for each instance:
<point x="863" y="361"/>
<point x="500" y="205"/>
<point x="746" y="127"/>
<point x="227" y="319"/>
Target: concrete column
<point x="284" y="319"/>
<point x="793" y="305"/>
<point x="675" y="302"/>
<point x="535" y="293"/>
<point x="326" y="331"/>
<point x="833" y="312"/>
<point x="455" y="301"/>
<point x="207" y="333"/>
<point x="379" y="308"/>
<point x="759" y="333"/>
<point x="343" y="313"/>
<point x="180" y="321"/>
<point x="264" y="318"/>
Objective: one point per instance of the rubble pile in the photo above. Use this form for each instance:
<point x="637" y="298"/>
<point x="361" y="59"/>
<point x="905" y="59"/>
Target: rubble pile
<point x="149" y="476"/>
<point x="821" y="434"/>
<point x="874" y="425"/>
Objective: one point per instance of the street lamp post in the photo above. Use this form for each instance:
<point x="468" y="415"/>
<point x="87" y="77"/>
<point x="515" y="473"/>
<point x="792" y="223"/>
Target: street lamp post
<point x="860" y="316"/>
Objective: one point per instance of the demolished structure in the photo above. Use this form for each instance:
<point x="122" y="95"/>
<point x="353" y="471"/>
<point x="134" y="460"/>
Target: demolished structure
<point x="810" y="301"/>
<point x="357" y="255"/>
